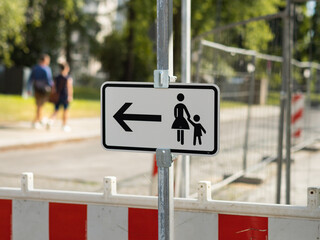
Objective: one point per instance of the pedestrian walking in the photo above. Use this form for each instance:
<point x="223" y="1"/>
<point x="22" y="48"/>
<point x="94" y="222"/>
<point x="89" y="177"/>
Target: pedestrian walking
<point x="41" y="81"/>
<point x="63" y="88"/>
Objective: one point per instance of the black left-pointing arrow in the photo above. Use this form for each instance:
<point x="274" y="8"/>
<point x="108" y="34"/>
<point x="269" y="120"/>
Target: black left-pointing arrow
<point x="120" y="117"/>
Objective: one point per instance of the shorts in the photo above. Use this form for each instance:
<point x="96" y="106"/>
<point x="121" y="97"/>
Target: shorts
<point x="65" y="105"/>
<point x="41" y="98"/>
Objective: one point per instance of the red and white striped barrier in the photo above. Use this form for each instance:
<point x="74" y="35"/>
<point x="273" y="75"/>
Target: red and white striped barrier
<point x="154" y="178"/>
<point x="297" y="117"/>
<point x="31" y="214"/>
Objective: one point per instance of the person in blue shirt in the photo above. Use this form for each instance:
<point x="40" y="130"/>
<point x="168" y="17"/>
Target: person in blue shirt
<point x="41" y="81"/>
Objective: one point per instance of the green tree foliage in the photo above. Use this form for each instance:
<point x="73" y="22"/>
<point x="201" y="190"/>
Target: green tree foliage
<point x="129" y="54"/>
<point x="51" y="31"/>
<point x="302" y="33"/>
<point x="136" y="58"/>
<point x="315" y="35"/>
<point x="112" y="55"/>
<point x="12" y="22"/>
<point x="256" y="35"/>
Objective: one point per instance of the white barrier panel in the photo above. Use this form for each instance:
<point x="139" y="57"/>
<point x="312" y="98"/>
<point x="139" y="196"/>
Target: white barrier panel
<point x="31" y="214"/>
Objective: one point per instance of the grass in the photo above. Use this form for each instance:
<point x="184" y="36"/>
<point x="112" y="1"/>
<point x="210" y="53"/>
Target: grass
<point x="17" y="108"/>
<point x="273" y="98"/>
<point x="87" y="93"/>
<point x="86" y="104"/>
<point x="232" y="104"/>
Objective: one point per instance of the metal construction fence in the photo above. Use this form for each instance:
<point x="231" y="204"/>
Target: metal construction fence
<point x="250" y="85"/>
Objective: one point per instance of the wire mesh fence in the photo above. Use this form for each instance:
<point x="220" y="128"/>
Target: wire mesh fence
<point x="250" y="84"/>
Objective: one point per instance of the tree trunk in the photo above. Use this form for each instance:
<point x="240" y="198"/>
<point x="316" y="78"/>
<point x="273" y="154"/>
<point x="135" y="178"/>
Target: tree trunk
<point x="68" y="43"/>
<point x="129" y="62"/>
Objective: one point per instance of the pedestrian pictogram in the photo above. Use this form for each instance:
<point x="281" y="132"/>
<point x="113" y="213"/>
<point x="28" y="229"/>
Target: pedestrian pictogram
<point x="181" y="122"/>
<point x="139" y="117"/>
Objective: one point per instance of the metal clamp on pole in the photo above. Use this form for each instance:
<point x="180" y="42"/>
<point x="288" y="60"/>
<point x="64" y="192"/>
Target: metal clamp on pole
<point x="164" y="157"/>
<point x="162" y="78"/>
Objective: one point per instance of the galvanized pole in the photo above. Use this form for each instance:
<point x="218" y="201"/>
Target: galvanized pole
<point x="250" y="102"/>
<point x="280" y="138"/>
<point x="165" y="191"/>
<point x="289" y="25"/>
<point x="285" y="103"/>
<point x="283" y="98"/>
<point x="164" y="36"/>
<point x="185" y="78"/>
<point x="164" y="157"/>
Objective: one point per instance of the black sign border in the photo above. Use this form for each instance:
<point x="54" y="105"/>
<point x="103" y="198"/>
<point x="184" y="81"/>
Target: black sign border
<point x="172" y="85"/>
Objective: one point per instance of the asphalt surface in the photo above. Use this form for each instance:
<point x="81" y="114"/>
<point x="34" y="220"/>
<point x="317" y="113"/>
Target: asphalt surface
<point x="82" y="163"/>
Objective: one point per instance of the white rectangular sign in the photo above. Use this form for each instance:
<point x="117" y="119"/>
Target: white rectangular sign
<point x="139" y="117"/>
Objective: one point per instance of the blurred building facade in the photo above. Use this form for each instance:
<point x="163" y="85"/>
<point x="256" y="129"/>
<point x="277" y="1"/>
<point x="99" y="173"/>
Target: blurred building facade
<point x="110" y="15"/>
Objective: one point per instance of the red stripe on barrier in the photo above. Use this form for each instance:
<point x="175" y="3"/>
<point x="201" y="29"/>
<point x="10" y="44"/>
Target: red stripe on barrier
<point x="297" y="133"/>
<point x="5" y="219"/>
<point x="143" y="224"/>
<point x="242" y="227"/>
<point x="296" y="97"/>
<point x="67" y="221"/>
<point x="296" y="116"/>
<point x="155" y="167"/>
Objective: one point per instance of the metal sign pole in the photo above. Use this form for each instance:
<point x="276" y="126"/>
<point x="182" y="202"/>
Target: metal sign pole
<point x="163" y="74"/>
<point x="185" y="78"/>
<point x="165" y="191"/>
<point x="289" y="25"/>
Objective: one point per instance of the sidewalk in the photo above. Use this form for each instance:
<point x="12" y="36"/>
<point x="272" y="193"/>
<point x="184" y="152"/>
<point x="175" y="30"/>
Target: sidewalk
<point x="20" y="134"/>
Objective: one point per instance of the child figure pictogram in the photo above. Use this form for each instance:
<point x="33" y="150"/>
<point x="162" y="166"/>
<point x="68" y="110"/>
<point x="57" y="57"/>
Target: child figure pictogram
<point x="198" y="129"/>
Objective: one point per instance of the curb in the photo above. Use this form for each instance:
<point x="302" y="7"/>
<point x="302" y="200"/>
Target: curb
<point x="45" y="143"/>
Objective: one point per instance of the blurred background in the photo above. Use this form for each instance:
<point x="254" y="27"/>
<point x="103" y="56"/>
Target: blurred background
<point x="115" y="40"/>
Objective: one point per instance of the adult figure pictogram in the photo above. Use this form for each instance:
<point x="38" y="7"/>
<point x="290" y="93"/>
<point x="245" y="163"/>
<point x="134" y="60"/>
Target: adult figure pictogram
<point x="180" y="123"/>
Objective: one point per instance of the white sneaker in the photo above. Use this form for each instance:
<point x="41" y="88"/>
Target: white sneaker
<point x="66" y="128"/>
<point x="36" y="125"/>
<point x="44" y="121"/>
<point x="49" y="124"/>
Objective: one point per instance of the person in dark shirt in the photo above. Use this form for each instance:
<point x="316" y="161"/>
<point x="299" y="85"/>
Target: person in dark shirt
<point x="41" y="81"/>
<point x="63" y="86"/>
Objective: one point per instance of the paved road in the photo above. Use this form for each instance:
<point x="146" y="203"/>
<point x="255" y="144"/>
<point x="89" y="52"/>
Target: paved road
<point x="82" y="164"/>
<point x="79" y="165"/>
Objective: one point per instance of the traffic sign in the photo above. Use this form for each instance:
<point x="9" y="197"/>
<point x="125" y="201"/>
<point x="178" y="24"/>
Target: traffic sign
<point x="139" y="117"/>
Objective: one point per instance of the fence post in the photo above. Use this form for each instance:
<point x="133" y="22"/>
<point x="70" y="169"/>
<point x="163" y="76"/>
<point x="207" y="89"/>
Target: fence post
<point x="285" y="103"/>
<point x="251" y="70"/>
<point x="200" y="49"/>
<point x="185" y="78"/>
<point x="287" y="61"/>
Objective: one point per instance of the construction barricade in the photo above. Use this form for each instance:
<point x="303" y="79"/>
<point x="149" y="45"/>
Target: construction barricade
<point x="297" y="117"/>
<point x="31" y="214"/>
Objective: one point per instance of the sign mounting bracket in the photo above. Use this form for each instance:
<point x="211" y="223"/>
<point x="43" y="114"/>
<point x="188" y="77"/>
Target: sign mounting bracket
<point x="162" y="78"/>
